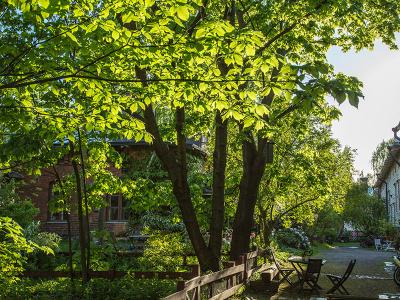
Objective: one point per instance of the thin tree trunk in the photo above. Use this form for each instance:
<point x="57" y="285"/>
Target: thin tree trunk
<point x="70" y="265"/>
<point x="87" y="224"/>
<point x="218" y="196"/>
<point x="82" y="234"/>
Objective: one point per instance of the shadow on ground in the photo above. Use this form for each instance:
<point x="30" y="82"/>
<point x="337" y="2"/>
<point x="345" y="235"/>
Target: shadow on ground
<point x="372" y="276"/>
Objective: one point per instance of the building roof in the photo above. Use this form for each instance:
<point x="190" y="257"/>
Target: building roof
<point x="195" y="147"/>
<point x="392" y="157"/>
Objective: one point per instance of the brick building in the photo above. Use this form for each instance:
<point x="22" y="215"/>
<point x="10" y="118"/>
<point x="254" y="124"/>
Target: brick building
<point x="114" y="217"/>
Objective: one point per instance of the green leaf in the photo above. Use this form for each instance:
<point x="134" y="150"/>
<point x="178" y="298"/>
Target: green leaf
<point x="44" y="3"/>
<point x="353" y="99"/>
<point x="250" y="51"/>
<point x="183" y="13"/>
<point x="200" y="33"/>
<point x="252" y="95"/>
<point x="72" y="37"/>
<point x="261" y="110"/>
<point x="115" y="35"/>
<point x="149" y="3"/>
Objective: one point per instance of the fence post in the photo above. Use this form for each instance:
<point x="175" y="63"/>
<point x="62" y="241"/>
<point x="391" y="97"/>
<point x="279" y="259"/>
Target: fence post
<point x="184" y="262"/>
<point x="196" y="273"/>
<point x="246" y="267"/>
<point x="231" y="282"/>
<point x="239" y="262"/>
<point x="180" y="285"/>
<point x="195" y="270"/>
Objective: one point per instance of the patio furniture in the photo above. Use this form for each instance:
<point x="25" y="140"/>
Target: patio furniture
<point x="378" y="244"/>
<point x="311" y="275"/>
<point x="284" y="272"/>
<point x="388" y="246"/>
<point x="338" y="281"/>
<point x="300" y="264"/>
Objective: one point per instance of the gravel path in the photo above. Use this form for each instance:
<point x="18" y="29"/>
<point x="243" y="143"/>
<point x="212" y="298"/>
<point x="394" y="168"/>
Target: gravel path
<point x="371" y="276"/>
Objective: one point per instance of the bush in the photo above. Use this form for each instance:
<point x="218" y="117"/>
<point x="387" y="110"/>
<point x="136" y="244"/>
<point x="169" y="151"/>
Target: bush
<point x="13" y="250"/>
<point x="20" y="210"/>
<point x="124" y="288"/>
<point x="163" y="252"/>
<point x="292" y="237"/>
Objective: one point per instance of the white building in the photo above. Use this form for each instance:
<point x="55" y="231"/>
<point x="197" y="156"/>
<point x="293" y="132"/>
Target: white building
<point x="388" y="184"/>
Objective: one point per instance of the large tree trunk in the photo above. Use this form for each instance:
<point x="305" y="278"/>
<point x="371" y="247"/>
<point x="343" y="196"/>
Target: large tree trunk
<point x="218" y="197"/>
<point x="175" y="164"/>
<point x="254" y="160"/>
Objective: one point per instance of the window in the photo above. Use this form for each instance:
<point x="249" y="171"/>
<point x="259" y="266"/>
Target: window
<point x="55" y="216"/>
<point x="118" y="209"/>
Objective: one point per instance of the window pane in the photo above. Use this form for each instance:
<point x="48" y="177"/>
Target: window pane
<point x="113" y="213"/>
<point x="125" y="209"/>
<point x="114" y="201"/>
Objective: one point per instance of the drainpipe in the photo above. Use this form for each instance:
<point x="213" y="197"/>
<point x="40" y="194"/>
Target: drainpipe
<point x="386" y="198"/>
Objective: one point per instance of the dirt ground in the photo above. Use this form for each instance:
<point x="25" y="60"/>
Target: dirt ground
<point x="372" y="276"/>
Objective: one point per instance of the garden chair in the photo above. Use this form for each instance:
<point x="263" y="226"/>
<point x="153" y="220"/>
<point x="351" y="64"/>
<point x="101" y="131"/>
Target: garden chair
<point x="284" y="272"/>
<point x="311" y="274"/>
<point x="378" y="244"/>
<point x="338" y="281"/>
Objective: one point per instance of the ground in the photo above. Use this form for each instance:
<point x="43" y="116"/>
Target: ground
<point x="372" y="276"/>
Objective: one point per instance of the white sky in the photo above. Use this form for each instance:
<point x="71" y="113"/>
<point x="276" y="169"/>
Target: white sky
<point x="364" y="128"/>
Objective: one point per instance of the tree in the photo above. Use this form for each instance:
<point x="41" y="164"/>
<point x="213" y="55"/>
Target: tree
<point x="365" y="212"/>
<point x="309" y="172"/>
<point x="379" y="156"/>
<point x="246" y="63"/>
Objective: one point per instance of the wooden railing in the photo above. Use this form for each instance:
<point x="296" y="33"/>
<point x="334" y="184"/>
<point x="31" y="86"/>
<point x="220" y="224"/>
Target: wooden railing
<point x="222" y="284"/>
<point x="112" y="274"/>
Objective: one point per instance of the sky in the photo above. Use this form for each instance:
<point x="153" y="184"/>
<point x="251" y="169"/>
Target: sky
<point x="364" y="128"/>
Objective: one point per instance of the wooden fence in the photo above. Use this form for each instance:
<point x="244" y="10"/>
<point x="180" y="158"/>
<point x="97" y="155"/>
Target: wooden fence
<point x="223" y="284"/>
<point x="113" y="274"/>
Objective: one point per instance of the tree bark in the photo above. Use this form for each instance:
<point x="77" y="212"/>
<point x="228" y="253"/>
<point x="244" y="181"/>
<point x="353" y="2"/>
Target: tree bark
<point x="70" y="265"/>
<point x="87" y="224"/>
<point x="218" y="189"/>
<point x="82" y="227"/>
<point x="174" y="162"/>
<point x="254" y="160"/>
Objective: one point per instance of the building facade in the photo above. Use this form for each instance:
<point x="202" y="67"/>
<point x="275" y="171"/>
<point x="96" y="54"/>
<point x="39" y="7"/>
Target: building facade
<point x="114" y="217"/>
<point x="388" y="184"/>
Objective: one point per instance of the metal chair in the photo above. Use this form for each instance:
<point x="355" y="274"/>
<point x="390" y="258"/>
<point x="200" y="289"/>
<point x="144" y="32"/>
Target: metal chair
<point x="338" y="281"/>
<point x="378" y="244"/>
<point x="311" y="274"/>
<point x="285" y="272"/>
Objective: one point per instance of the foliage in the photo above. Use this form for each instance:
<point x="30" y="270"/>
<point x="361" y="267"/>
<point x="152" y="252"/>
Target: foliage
<point x="125" y="288"/>
<point x="293" y="237"/>
<point x="12" y="205"/>
<point x="310" y="173"/>
<point x="163" y="252"/>
<point x="45" y="239"/>
<point x="162" y="71"/>
<point x="379" y="155"/>
<point x="327" y="225"/>
<point x="13" y="251"/>
<point x="154" y="221"/>
<point x="365" y="212"/>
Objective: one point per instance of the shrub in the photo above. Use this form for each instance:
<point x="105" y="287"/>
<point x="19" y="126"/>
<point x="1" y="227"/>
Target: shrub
<point x="13" y="250"/>
<point x="162" y="252"/>
<point x="292" y="237"/>
<point x="124" y="288"/>
<point x="13" y="206"/>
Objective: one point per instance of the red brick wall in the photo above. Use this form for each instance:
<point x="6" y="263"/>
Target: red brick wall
<point x="37" y="188"/>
